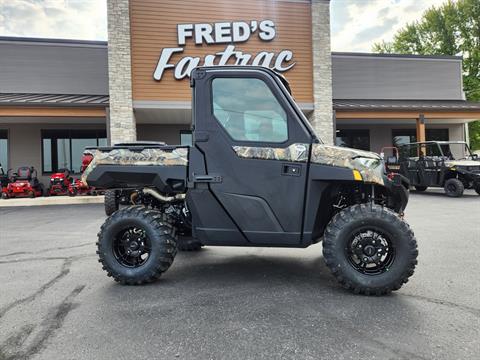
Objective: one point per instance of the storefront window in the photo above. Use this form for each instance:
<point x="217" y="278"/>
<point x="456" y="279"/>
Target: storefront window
<point x="356" y="139"/>
<point x="63" y="149"/>
<point x="4" y="149"/>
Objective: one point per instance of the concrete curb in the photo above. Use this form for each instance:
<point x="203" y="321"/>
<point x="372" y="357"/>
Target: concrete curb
<point x="54" y="200"/>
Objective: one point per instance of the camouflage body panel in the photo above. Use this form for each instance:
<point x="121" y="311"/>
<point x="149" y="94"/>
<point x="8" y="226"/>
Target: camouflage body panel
<point x="294" y="153"/>
<point x="149" y="157"/>
<point x="369" y="164"/>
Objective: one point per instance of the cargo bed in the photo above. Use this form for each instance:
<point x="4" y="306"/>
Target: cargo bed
<point x="138" y="165"/>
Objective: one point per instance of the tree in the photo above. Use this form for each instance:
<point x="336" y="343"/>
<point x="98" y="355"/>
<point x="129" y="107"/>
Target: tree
<point x="450" y="29"/>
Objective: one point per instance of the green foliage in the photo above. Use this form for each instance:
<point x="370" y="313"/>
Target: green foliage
<point x="451" y="29"/>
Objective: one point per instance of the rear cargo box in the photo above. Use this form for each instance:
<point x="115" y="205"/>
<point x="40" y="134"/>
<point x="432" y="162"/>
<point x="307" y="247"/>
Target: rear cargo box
<point x="134" y="166"/>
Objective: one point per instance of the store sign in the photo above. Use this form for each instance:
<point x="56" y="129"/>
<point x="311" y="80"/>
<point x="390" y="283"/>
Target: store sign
<point x="222" y="33"/>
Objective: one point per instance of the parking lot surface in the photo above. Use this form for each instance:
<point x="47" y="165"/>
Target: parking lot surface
<point x="234" y="303"/>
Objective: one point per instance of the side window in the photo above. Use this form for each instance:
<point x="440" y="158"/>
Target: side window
<point x="248" y="111"/>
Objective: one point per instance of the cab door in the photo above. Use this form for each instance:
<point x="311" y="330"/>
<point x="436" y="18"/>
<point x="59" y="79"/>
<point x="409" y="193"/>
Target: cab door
<point x="256" y="152"/>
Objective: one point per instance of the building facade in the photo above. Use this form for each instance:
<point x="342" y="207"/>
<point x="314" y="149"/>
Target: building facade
<point x="58" y="96"/>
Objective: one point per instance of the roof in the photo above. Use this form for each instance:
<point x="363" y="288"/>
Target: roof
<point x="12" y="99"/>
<point x="406" y="56"/>
<point x="40" y="41"/>
<point x="406" y="105"/>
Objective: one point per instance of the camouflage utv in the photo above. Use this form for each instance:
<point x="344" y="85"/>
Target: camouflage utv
<point x="255" y="175"/>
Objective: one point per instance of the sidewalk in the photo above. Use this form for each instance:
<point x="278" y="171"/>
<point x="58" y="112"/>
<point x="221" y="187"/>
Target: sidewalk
<point x="52" y="200"/>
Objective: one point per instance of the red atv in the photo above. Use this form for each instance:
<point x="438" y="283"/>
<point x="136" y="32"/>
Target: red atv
<point x="23" y="183"/>
<point x="60" y="183"/>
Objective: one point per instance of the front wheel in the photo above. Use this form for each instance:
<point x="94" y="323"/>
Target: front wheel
<point x="370" y="249"/>
<point x="136" y="245"/>
<point x="454" y="187"/>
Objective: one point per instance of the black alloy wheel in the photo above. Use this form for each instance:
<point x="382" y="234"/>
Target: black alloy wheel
<point x="132" y="247"/>
<point x="370" y="251"/>
<point x="136" y="245"/>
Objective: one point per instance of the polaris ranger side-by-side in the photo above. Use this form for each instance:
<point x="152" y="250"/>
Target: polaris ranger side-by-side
<point x="447" y="164"/>
<point x="255" y="175"/>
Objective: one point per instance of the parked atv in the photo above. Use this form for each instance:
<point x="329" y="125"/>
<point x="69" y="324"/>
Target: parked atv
<point x="256" y="175"/>
<point x="23" y="183"/>
<point x="447" y="164"/>
<point x="60" y="183"/>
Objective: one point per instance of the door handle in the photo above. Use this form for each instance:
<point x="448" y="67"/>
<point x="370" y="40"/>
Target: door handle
<point x="291" y="170"/>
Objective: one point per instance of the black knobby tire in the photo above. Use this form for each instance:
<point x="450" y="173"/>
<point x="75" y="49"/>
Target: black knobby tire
<point x="454" y="187"/>
<point x="421" y="188"/>
<point x="400" y="259"/>
<point x="111" y="202"/>
<point x="159" y="233"/>
<point x="188" y="243"/>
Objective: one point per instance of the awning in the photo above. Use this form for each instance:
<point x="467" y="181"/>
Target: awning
<point x="406" y="105"/>
<point x="51" y="100"/>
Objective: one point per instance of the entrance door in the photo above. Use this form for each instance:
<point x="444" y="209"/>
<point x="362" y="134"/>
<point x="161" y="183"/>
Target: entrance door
<point x="256" y="148"/>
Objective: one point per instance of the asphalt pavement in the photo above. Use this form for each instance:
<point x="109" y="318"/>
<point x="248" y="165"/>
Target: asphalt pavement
<point x="234" y="303"/>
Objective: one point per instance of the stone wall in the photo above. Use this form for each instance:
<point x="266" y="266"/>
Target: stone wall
<point x="322" y="117"/>
<point x="122" y="119"/>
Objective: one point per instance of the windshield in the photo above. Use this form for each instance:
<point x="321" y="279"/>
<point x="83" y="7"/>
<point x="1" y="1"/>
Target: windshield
<point x="445" y="151"/>
<point x="456" y="151"/>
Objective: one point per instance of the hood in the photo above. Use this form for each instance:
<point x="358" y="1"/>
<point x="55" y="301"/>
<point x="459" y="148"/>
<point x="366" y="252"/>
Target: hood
<point x="369" y="164"/>
<point x="462" y="163"/>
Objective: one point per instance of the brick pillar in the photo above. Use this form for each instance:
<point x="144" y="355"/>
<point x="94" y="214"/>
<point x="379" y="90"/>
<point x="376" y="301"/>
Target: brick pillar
<point x="122" y="119"/>
<point x="322" y="116"/>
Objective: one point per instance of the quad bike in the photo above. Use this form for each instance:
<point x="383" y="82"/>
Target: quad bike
<point x="60" y="183"/>
<point x="23" y="183"/>
<point x="255" y="175"/>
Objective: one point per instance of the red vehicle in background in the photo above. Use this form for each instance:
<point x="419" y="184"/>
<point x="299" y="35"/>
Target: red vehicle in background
<point x="78" y="187"/>
<point x="23" y="183"/>
<point x="60" y="183"/>
<point x="4" y="180"/>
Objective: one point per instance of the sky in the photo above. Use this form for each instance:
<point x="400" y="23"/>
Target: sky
<point x="356" y="24"/>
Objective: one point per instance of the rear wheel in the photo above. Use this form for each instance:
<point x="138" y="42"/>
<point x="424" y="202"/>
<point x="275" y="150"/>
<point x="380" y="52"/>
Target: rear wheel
<point x="136" y="245"/>
<point x="454" y="188"/>
<point x="111" y="202"/>
<point x="370" y="249"/>
<point x="421" y="188"/>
